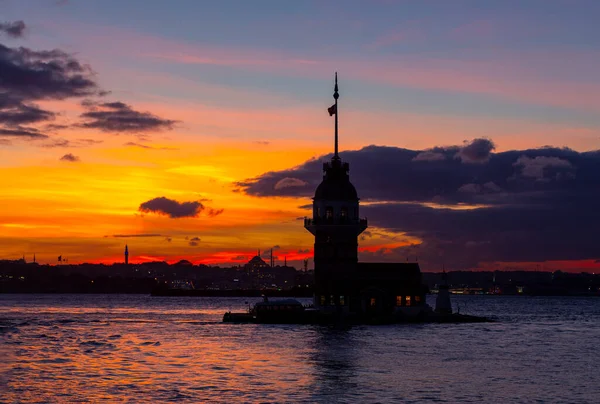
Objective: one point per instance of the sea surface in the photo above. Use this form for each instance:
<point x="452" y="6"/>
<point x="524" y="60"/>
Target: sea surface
<point x="137" y="348"/>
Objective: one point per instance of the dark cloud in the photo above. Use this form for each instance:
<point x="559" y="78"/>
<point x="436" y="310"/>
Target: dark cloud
<point x="70" y="157"/>
<point x="60" y="142"/>
<point x="476" y="151"/>
<point x="19" y="132"/>
<point x="27" y="76"/>
<point x="144" y="146"/>
<point x="214" y="212"/>
<point x="14" y="29"/>
<point x="15" y="113"/>
<point x="194" y="241"/>
<point x="306" y="251"/>
<point x="533" y="204"/>
<point x="262" y="142"/>
<point x="429" y="155"/>
<point x="119" y="118"/>
<point x="172" y="208"/>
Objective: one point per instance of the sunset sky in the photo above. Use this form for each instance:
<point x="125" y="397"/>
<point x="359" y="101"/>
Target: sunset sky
<point x="195" y="129"/>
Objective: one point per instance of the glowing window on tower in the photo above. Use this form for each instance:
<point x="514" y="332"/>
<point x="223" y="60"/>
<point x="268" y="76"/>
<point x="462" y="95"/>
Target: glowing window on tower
<point x="408" y="300"/>
<point x="344" y="212"/>
<point x="322" y="300"/>
<point x="417" y="299"/>
<point x="331" y="300"/>
<point x="398" y="300"/>
<point x="373" y="302"/>
<point x="342" y="300"/>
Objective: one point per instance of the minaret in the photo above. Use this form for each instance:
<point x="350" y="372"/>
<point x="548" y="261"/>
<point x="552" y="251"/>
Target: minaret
<point x="336" y="226"/>
<point x="126" y="255"/>
<point x="34" y="258"/>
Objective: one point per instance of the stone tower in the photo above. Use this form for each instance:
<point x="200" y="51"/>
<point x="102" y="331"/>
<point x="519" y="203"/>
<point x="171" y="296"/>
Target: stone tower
<point x="336" y="226"/>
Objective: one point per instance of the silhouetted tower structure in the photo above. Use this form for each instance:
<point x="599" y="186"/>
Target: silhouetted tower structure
<point x="336" y="226"/>
<point x="126" y="255"/>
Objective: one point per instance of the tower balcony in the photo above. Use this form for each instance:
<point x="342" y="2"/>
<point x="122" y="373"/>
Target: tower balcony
<point x="321" y="222"/>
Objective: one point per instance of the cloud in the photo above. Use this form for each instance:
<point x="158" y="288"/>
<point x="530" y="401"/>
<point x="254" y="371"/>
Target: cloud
<point x="27" y="76"/>
<point x="540" y="167"/>
<point x="19" y="132"/>
<point x="429" y="155"/>
<point x="13" y="112"/>
<point x="290" y="182"/>
<point x="194" y="241"/>
<point x="144" y="146"/>
<point x="305" y="251"/>
<point x="476" y="151"/>
<point x="119" y="117"/>
<point x="214" y="212"/>
<point x="137" y="235"/>
<point x="448" y="204"/>
<point x="172" y="208"/>
<point x="70" y="157"/>
<point x="14" y="29"/>
<point x="262" y="142"/>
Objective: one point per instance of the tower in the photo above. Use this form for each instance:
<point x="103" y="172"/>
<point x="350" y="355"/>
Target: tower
<point x="126" y="255"/>
<point x="336" y="226"/>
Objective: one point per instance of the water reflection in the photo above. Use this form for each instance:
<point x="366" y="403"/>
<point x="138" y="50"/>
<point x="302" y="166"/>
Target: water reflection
<point x="142" y="349"/>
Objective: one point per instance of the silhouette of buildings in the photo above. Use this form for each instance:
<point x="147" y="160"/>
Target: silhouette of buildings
<point x="342" y="284"/>
<point x="126" y="255"/>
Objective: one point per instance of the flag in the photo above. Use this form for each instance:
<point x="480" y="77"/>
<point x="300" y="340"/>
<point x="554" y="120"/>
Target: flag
<point x="332" y="109"/>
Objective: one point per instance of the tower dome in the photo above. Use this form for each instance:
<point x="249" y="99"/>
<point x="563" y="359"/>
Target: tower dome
<point x="336" y="185"/>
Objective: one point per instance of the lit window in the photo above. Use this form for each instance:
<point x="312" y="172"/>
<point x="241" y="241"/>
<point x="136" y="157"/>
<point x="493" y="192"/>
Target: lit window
<point x="344" y="212"/>
<point x="322" y="300"/>
<point x="373" y="302"/>
<point x="331" y="300"/>
<point x="398" y="300"/>
<point x="341" y="300"/>
<point x="417" y="299"/>
<point x="329" y="212"/>
<point x="408" y="300"/>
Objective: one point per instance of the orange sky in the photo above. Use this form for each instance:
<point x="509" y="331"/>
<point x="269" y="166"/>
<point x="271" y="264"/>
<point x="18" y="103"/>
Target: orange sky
<point x="244" y="109"/>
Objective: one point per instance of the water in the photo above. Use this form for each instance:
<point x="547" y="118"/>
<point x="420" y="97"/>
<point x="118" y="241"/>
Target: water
<point x="134" y="348"/>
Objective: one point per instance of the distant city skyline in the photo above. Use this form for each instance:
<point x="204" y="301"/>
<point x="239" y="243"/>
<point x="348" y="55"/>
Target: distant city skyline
<point x="198" y="132"/>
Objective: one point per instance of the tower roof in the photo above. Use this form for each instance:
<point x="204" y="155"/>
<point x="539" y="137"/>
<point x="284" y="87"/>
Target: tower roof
<point x="336" y="185"/>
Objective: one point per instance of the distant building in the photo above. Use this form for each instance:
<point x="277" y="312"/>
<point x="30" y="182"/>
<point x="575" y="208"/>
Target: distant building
<point x="126" y="255"/>
<point x="342" y="284"/>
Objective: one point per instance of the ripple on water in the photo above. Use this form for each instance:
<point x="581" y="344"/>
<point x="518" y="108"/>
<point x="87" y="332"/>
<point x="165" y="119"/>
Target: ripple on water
<point x="143" y="349"/>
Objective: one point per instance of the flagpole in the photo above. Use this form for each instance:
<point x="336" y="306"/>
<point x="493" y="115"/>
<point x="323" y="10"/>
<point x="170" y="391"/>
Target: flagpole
<point x="336" y="96"/>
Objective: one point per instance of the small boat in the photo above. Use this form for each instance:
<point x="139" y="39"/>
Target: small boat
<point x="272" y="311"/>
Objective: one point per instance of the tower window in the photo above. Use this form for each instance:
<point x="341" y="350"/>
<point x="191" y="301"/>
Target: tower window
<point x="322" y="300"/>
<point x="329" y="212"/>
<point x="344" y="212"/>
<point x="342" y="301"/>
<point x="373" y="302"/>
<point x="398" y="300"/>
<point x="408" y="300"/>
